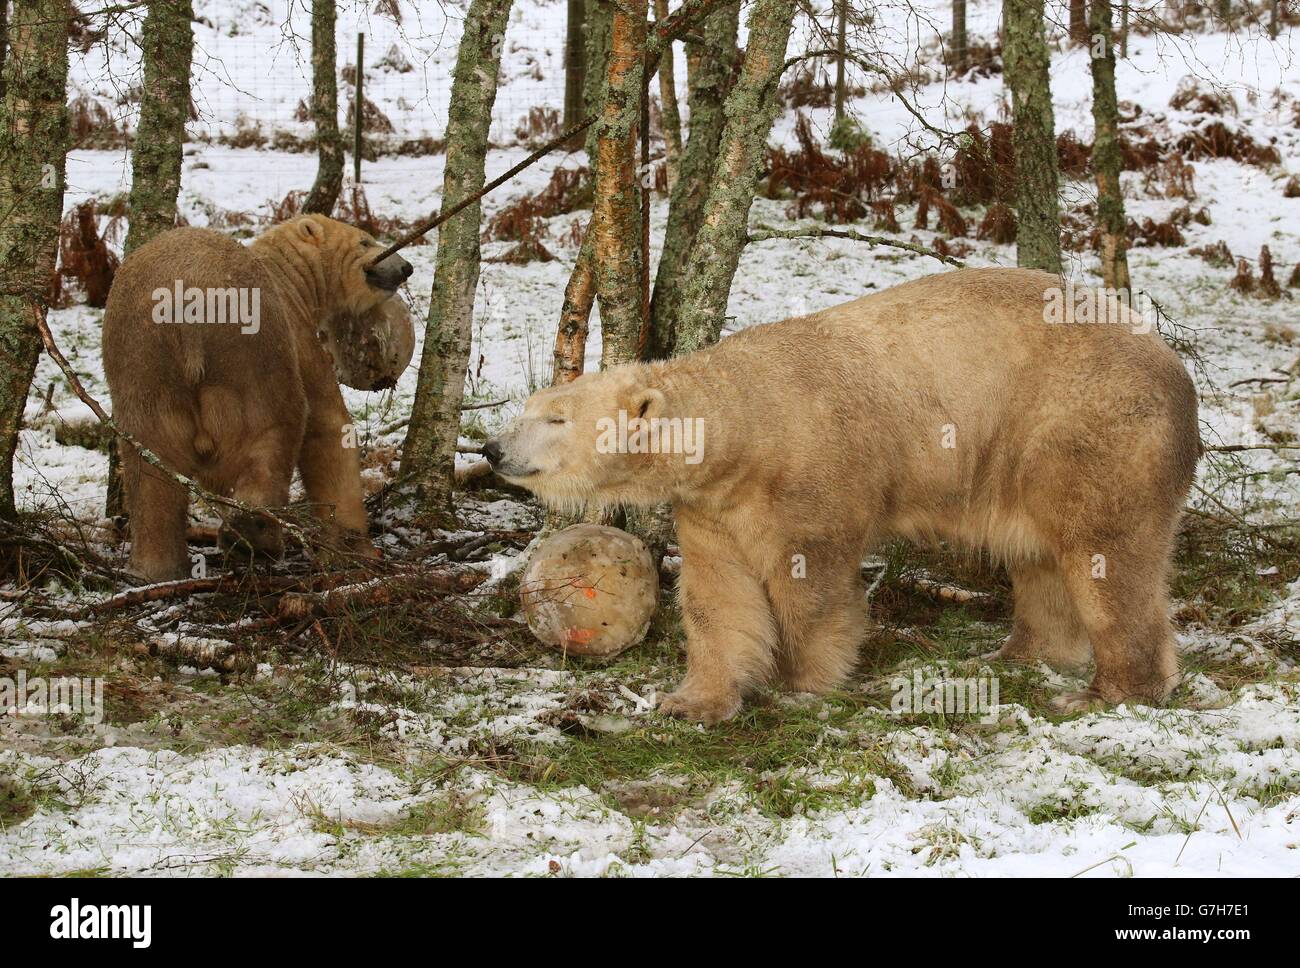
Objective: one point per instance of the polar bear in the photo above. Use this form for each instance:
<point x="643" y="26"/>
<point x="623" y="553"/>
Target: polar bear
<point x="225" y="360"/>
<point x="952" y="407"/>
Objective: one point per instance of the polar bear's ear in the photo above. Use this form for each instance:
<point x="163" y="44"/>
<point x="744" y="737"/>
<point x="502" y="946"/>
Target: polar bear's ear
<point x="310" y="230"/>
<point x="648" y="402"/>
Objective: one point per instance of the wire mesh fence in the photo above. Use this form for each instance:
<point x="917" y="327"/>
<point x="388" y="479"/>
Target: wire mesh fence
<point x="252" y="80"/>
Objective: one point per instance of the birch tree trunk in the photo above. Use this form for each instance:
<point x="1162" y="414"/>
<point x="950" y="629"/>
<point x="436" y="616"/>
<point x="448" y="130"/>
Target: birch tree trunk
<point x="1038" y="233"/>
<point x="671" y="118"/>
<point x="1107" y="160"/>
<point x="571" y="335"/>
<point x="325" y="110"/>
<point x="33" y="146"/>
<point x="616" y="211"/>
<point x="156" y="154"/>
<point x="429" y="453"/>
<point x="711" y="66"/>
<point x="751" y="109"/>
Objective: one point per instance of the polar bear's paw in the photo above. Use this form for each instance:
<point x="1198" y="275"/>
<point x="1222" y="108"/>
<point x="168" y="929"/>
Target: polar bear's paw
<point x="702" y="707"/>
<point x="1069" y="703"/>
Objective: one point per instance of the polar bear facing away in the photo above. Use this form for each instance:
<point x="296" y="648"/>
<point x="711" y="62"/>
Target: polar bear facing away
<point x="225" y="360"/>
<point x="945" y="408"/>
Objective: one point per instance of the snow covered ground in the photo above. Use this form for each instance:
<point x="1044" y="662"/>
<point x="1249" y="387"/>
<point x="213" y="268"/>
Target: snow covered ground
<point x="595" y="782"/>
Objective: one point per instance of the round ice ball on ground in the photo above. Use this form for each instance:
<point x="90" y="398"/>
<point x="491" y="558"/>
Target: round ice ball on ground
<point x="590" y="590"/>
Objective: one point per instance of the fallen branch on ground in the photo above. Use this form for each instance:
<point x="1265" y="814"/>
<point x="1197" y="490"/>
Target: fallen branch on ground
<point x="186" y="587"/>
<point x="296" y="606"/>
<point x="764" y="233"/>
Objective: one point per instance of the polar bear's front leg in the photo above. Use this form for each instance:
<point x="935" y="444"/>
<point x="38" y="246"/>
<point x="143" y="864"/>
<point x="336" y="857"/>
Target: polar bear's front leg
<point x="330" y="464"/>
<point x="730" y="633"/>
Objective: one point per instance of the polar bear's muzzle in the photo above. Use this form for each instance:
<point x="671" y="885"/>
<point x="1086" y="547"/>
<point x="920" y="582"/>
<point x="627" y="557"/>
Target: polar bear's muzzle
<point x="389" y="274"/>
<point x="503" y="462"/>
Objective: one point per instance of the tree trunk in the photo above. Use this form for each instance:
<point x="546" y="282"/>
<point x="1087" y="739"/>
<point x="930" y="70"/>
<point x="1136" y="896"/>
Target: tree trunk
<point x="1079" y="22"/>
<point x="325" y="111"/>
<point x="156" y="154"/>
<point x="711" y="66"/>
<point x="4" y="42"/>
<point x="430" y="450"/>
<point x="1038" y="233"/>
<point x="1106" y="157"/>
<point x="960" y="44"/>
<point x="575" y="66"/>
<point x="751" y="108"/>
<point x="669" y="115"/>
<point x="33" y="146"/>
<point x="579" y="295"/>
<point x="1123" y="29"/>
<point x="597" y="25"/>
<point x="616" y="212"/>
<point x="841" y="48"/>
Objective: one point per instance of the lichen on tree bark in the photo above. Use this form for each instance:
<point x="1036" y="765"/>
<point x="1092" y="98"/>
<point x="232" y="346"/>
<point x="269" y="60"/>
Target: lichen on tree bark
<point x="750" y="110"/>
<point x="1038" y="214"/>
<point x="711" y="66"/>
<point x="598" y="23"/>
<point x="325" y="110"/>
<point x="429" y="453"/>
<point x="33" y="145"/>
<point x="1107" y="159"/>
<point x="166" y="42"/>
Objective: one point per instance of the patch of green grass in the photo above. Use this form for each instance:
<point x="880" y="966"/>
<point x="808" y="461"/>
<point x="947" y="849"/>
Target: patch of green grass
<point x="451" y="812"/>
<point x="449" y="868"/>
<point x="1052" y="810"/>
<point x="761" y="750"/>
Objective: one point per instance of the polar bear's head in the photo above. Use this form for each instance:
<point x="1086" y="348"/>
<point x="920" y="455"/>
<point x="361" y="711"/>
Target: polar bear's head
<point x="360" y="320"/>
<point x="606" y="438"/>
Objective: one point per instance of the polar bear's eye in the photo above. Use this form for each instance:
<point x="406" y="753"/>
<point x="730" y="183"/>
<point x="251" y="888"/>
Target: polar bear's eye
<point x="556" y="420"/>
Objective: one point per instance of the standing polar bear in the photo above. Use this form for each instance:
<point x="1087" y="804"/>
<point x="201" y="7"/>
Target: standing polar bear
<point x="949" y="407"/>
<point x="225" y="360"/>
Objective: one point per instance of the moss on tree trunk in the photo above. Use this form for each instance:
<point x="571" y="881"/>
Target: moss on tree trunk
<point x="598" y="24"/>
<point x="167" y="43"/>
<point x="325" y="110"/>
<point x="430" y="450"/>
<point x="750" y="110"/>
<point x="1107" y="160"/>
<point x="711" y="66"/>
<point x="1038" y="235"/>
<point x="33" y="144"/>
